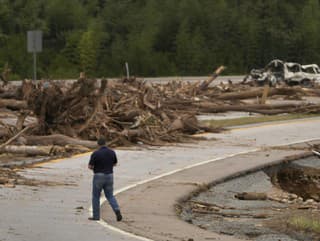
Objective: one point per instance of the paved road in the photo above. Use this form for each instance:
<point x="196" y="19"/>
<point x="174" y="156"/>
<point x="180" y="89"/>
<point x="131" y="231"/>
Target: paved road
<point x="50" y="213"/>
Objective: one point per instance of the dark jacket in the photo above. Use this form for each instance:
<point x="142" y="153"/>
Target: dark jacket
<point x="103" y="160"/>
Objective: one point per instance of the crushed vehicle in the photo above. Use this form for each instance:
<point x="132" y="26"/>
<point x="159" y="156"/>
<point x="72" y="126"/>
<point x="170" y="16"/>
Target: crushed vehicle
<point x="271" y="74"/>
<point x="312" y="71"/>
<point x="278" y="71"/>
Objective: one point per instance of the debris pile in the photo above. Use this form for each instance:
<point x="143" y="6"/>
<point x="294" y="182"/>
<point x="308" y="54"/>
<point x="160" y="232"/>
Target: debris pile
<point x="125" y="112"/>
<point x="51" y="118"/>
<point x="73" y="116"/>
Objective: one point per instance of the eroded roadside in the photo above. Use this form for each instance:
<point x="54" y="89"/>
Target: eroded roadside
<point x="151" y="209"/>
<point x="263" y="206"/>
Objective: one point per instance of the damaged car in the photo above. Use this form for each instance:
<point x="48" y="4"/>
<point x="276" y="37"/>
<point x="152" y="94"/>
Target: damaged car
<point x="278" y="71"/>
<point x="312" y="71"/>
<point x="271" y="74"/>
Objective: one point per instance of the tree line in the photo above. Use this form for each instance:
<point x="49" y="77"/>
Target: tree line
<point x="157" y="37"/>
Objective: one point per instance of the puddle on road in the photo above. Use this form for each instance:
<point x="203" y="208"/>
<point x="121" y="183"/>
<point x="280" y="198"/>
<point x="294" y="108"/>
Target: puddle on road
<point x="261" y="206"/>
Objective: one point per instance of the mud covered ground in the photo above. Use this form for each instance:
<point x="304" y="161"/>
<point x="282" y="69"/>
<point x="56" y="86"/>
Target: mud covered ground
<point x="267" y="217"/>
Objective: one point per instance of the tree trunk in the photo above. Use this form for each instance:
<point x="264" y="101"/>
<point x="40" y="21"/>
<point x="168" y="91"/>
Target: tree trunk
<point x="205" y="84"/>
<point x="209" y="108"/>
<point x="13" y="104"/>
<point x="27" y="150"/>
<point x="258" y="92"/>
<point x="60" y="140"/>
<point x="251" y="196"/>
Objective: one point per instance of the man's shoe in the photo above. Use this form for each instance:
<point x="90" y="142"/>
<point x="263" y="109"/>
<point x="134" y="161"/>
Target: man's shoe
<point x="93" y="219"/>
<point x="119" y="216"/>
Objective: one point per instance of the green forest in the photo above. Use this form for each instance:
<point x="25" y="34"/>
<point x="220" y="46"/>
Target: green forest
<point x="157" y="37"/>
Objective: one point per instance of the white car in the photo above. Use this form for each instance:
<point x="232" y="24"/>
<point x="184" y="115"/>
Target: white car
<point x="305" y="75"/>
<point x="293" y="74"/>
<point x="312" y="71"/>
<point x="278" y="71"/>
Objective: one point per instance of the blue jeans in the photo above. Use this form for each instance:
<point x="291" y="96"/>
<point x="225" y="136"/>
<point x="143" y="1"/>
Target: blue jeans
<point x="105" y="182"/>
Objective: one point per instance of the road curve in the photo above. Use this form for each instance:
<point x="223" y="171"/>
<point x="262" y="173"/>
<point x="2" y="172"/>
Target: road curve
<point x="150" y="207"/>
<point x="59" y="212"/>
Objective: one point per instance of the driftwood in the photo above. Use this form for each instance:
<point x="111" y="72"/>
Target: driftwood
<point x="258" y="93"/>
<point x="13" y="104"/>
<point x="10" y="94"/>
<point x="56" y="139"/>
<point x="205" y="84"/>
<point x="251" y="196"/>
<point x="185" y="123"/>
<point x="21" y="119"/>
<point x="42" y="150"/>
<point x="97" y="107"/>
<point x="210" y="205"/>
<point x="31" y="150"/>
<point x="14" y="137"/>
<point x="231" y="214"/>
<point x="265" y="94"/>
<point x="211" y="108"/>
<point x="127" y="111"/>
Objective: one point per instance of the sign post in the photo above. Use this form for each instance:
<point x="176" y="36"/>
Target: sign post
<point x="127" y="70"/>
<point x="34" y="46"/>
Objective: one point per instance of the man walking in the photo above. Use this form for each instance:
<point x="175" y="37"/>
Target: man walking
<point x="102" y="162"/>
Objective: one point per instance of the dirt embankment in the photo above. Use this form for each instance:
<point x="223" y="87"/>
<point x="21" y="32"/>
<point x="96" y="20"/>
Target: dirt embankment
<point x="277" y="203"/>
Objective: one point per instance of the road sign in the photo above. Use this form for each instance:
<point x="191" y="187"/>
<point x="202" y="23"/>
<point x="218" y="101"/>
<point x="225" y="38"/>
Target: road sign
<point x="34" y="46"/>
<point x="34" y="41"/>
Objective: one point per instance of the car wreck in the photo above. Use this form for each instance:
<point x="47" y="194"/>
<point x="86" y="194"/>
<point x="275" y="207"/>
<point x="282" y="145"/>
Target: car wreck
<point x="278" y="71"/>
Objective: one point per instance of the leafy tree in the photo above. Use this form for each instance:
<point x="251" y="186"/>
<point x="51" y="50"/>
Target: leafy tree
<point x="158" y="37"/>
<point x="310" y="31"/>
<point x="88" y="51"/>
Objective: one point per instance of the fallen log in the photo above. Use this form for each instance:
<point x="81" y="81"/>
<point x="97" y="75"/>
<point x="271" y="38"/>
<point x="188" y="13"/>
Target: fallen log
<point x="32" y="150"/>
<point x="233" y="214"/>
<point x="186" y="124"/>
<point x="209" y="204"/>
<point x="57" y="139"/>
<point x="205" y="84"/>
<point x="311" y="109"/>
<point x="132" y="134"/>
<point x="13" y="104"/>
<point x="258" y="93"/>
<point x="12" y="94"/>
<point x="251" y="196"/>
<point x="212" y="108"/>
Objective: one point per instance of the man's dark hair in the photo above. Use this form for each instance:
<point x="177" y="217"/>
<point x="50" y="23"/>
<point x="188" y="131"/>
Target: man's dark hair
<point x="101" y="141"/>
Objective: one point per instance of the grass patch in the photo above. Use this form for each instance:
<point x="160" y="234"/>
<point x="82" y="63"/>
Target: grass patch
<point x="298" y="224"/>
<point x="305" y="223"/>
<point x="255" y="120"/>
